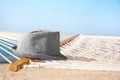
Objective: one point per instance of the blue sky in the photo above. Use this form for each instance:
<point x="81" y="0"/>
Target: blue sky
<point x="94" y="17"/>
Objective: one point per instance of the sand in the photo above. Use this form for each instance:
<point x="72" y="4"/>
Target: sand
<point x="107" y="54"/>
<point x="56" y="74"/>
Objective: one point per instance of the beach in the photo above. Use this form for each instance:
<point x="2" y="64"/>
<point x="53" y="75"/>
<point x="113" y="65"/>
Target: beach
<point x="91" y="58"/>
<point x="56" y="74"/>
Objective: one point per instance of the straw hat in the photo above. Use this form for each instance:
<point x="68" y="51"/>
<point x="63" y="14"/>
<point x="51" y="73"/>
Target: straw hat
<point x="40" y="44"/>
